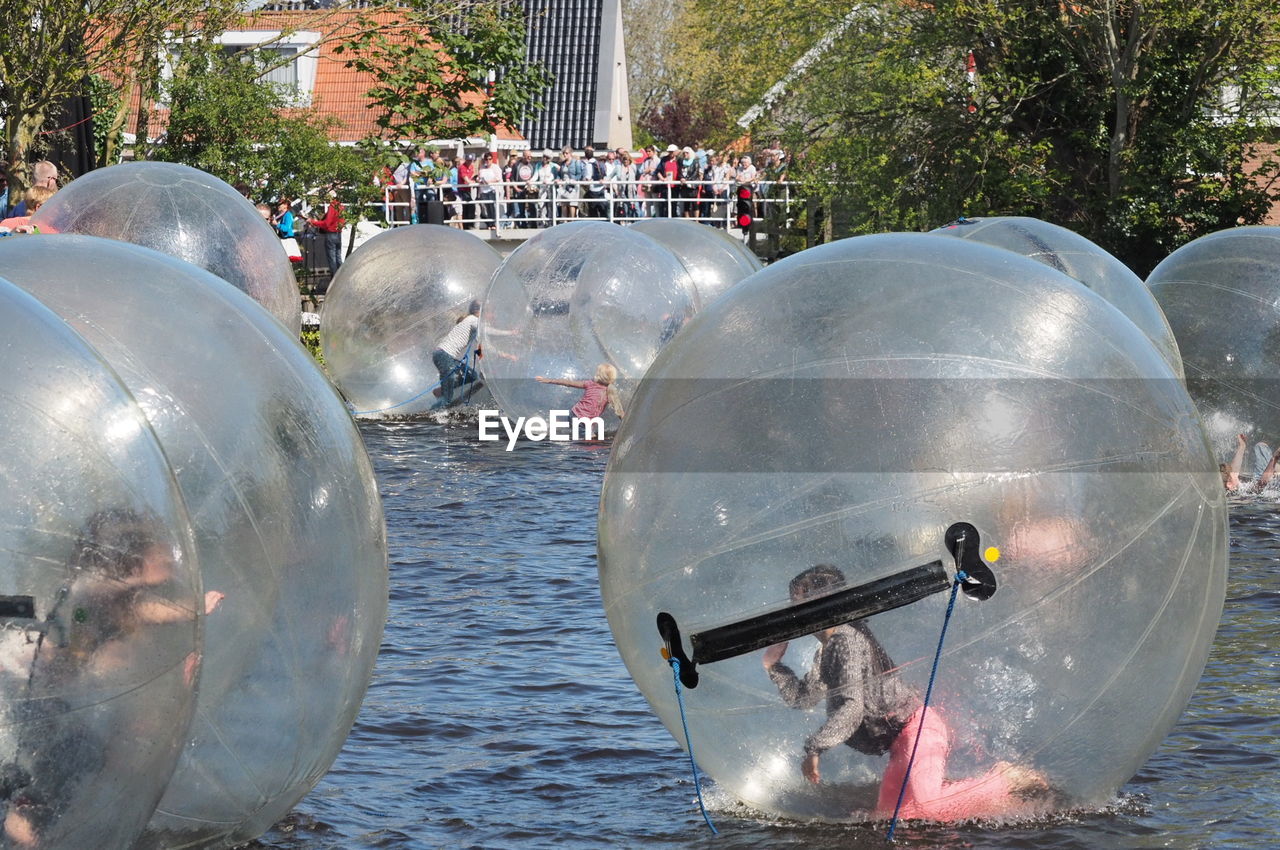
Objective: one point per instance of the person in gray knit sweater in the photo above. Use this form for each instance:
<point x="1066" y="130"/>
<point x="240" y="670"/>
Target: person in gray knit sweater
<point x="871" y="709"/>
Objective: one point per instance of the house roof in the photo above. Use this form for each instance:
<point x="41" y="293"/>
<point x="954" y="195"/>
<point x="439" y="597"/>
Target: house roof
<point x="564" y="35"/>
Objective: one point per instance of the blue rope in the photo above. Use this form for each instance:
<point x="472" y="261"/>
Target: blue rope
<point x="462" y="364"/>
<point x="697" y="786"/>
<point x="471" y="369"/>
<point x="961" y="576"/>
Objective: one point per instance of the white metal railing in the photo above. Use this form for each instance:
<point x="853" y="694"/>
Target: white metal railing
<point x="538" y="204"/>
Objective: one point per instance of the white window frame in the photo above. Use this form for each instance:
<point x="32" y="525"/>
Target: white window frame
<point x="304" y="42"/>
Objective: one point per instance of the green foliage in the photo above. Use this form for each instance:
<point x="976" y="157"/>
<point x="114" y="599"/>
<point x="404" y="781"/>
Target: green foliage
<point x="226" y="120"/>
<point x="50" y="48"/>
<point x="311" y="342"/>
<point x="684" y="121"/>
<point x="104" y="100"/>
<point x="1109" y="119"/>
<point x="432" y="72"/>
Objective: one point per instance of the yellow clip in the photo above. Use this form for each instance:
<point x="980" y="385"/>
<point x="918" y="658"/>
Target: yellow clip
<point x="666" y="654"/>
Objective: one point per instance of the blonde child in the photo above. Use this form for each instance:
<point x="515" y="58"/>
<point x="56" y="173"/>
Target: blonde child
<point x="35" y="198"/>
<point x="596" y="394"/>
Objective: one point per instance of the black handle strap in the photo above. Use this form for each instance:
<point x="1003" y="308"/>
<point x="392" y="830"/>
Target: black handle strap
<point x="843" y="606"/>
<point x="18" y="607"/>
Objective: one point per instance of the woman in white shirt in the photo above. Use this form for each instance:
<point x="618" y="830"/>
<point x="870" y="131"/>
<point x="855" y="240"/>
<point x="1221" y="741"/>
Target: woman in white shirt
<point x="489" y="177"/>
<point x="450" y="354"/>
<point x="721" y="175"/>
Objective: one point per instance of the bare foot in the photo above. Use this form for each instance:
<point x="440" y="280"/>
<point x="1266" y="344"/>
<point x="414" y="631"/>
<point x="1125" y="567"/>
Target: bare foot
<point x="20" y="830"/>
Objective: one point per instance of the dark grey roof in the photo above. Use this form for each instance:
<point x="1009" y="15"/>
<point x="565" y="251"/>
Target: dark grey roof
<point x="564" y="35"/>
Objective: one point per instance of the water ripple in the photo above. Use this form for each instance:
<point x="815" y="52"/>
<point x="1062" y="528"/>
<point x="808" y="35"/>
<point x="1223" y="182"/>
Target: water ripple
<point x="500" y="715"/>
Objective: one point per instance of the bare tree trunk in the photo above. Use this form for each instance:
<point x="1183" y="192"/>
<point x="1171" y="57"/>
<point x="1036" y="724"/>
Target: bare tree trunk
<point x="148" y="91"/>
<point x="1124" y="54"/>
<point x="110" y="153"/>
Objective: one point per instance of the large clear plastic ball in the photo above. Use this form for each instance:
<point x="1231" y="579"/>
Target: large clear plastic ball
<point x="185" y="213"/>
<point x="1221" y="294"/>
<point x="714" y="259"/>
<point x="571" y="298"/>
<point x="99" y="595"/>
<point x="286" y="514"/>
<point x="389" y="306"/>
<point x="1079" y="259"/>
<point x="848" y="405"/>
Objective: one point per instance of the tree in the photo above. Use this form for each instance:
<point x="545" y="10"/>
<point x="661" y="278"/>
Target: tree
<point x="650" y="27"/>
<point x="224" y="118"/>
<point x="445" y="70"/>
<point x="685" y="120"/>
<point x="50" y="48"/>
<point x="1108" y="118"/>
<point x="731" y="56"/>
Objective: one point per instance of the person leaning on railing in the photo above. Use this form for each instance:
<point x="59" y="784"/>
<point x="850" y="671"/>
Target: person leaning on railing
<point x="595" y="170"/>
<point x="449" y="191"/>
<point x="489" y="180"/>
<point x="688" y="188"/>
<point x="721" y="177"/>
<point x="521" y="178"/>
<point x="545" y="173"/>
<point x="625" y="175"/>
<point x="646" y="171"/>
<point x="665" y="179"/>
<point x="535" y="184"/>
<point x="569" y="182"/>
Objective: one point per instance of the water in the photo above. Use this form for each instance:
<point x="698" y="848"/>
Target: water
<point x="500" y="715"/>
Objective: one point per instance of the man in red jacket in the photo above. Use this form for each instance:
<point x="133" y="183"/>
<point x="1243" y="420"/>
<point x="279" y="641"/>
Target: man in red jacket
<point x="330" y="226"/>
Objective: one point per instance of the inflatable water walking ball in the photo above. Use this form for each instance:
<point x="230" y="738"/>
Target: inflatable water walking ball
<point x="186" y="213"/>
<point x="285" y="511"/>
<point x="388" y="307"/>
<point x="99" y="622"/>
<point x="714" y="259"/>
<point x="890" y="406"/>
<point x="1221" y="294"/>
<point x="1080" y="259"/>
<point x="570" y="298"/>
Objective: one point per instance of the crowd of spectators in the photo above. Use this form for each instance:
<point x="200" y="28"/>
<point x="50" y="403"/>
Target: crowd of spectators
<point x="534" y="188"/>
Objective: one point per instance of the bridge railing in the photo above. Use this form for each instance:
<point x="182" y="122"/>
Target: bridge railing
<point x="538" y="204"/>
